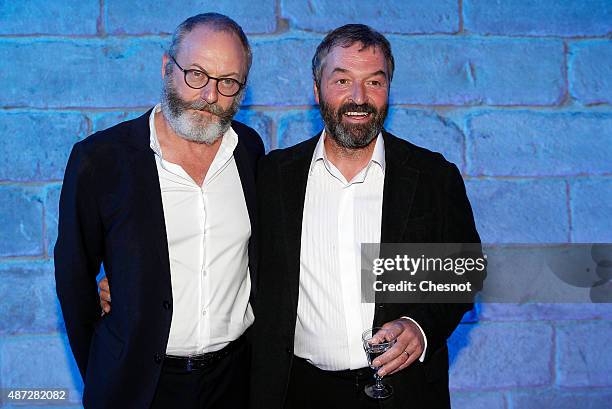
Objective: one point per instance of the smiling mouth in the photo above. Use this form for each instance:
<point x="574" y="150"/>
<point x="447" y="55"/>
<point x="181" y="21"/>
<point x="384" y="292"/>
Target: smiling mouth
<point x="356" y="115"/>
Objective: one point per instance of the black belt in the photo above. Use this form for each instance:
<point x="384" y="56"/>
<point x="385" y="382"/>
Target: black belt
<point x="353" y="374"/>
<point x="201" y="361"/>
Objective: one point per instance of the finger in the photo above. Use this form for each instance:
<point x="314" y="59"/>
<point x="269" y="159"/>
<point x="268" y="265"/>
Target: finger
<point x="404" y="364"/>
<point x="415" y="347"/>
<point x="105" y="308"/>
<point x="401" y="343"/>
<point x="105" y="296"/>
<point x="406" y="338"/>
<point x="383" y="335"/>
<point x="391" y="354"/>
<point x="393" y="366"/>
<point x="388" y="332"/>
<point x="409" y="360"/>
<point x="103" y="284"/>
<point x="412" y="353"/>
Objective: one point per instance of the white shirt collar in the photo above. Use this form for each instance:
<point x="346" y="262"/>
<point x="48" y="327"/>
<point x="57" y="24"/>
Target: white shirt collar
<point x="378" y="156"/>
<point x="154" y="142"/>
<point x="228" y="143"/>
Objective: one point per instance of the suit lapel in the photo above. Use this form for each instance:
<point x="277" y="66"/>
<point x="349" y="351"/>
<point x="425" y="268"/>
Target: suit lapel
<point x="145" y="171"/>
<point x="401" y="181"/>
<point x="246" y="172"/>
<point x="150" y="180"/>
<point x="293" y="180"/>
<point x="247" y="179"/>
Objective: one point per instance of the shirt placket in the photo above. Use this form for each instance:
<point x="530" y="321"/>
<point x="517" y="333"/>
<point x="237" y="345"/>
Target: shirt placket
<point x="202" y="313"/>
<point x="348" y="266"/>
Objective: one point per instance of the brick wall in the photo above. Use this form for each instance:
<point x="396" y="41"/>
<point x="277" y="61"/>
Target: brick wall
<point x="517" y="93"/>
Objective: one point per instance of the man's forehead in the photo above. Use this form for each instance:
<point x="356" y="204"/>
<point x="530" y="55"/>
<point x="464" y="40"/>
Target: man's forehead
<point x="205" y="45"/>
<point x="355" y="56"/>
<point x="206" y="36"/>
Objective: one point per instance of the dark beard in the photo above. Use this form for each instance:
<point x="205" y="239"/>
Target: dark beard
<point x="352" y="136"/>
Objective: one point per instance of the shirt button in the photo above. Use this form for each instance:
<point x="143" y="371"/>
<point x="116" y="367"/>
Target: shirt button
<point x="157" y="357"/>
<point x="204" y="312"/>
<point x="166" y="305"/>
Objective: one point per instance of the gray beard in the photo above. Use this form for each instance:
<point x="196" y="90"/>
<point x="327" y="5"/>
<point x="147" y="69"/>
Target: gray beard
<point x="185" y="125"/>
<point x="346" y="137"/>
<point x="191" y="125"/>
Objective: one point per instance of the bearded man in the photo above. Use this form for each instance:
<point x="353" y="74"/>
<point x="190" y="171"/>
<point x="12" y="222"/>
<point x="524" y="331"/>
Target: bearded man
<point x="166" y="202"/>
<point x="317" y="202"/>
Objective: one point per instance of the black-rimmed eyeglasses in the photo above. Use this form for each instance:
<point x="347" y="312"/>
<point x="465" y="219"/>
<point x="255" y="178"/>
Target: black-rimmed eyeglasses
<point x="198" y="79"/>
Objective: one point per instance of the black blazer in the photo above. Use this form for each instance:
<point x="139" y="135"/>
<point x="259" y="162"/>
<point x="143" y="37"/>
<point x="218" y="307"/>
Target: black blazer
<point x="424" y="201"/>
<point x="111" y="212"/>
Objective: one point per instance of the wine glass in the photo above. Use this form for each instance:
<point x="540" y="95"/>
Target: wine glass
<point x="377" y="390"/>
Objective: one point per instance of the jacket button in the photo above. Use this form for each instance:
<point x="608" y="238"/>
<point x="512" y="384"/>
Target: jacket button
<point x="166" y="305"/>
<point x="288" y="350"/>
<point x="157" y="357"/>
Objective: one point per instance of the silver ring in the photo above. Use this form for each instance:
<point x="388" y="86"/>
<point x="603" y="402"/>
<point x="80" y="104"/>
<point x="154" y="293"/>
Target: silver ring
<point x="407" y="354"/>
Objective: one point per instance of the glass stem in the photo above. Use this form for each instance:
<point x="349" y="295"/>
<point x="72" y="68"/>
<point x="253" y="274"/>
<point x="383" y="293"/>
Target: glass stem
<point x="379" y="386"/>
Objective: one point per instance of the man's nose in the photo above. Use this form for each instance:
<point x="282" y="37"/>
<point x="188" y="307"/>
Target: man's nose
<point x="358" y="94"/>
<point x="209" y="92"/>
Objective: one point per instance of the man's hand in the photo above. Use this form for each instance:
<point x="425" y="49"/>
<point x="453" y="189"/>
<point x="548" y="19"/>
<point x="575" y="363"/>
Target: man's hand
<point x="105" y="297"/>
<point x="408" y="346"/>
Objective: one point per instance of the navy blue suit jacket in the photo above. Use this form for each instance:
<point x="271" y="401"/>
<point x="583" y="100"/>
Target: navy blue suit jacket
<point x="111" y="213"/>
<point x="424" y="201"/>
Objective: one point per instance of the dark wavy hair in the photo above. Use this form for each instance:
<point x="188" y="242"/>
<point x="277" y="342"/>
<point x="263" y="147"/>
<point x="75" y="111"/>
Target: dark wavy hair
<point x="346" y="36"/>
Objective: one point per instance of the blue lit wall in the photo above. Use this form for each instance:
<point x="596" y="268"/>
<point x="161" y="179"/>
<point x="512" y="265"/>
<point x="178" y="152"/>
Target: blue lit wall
<point x="517" y="93"/>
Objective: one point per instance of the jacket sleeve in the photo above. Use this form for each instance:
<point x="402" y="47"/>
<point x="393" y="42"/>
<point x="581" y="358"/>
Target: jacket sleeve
<point x="78" y="254"/>
<point x="439" y="320"/>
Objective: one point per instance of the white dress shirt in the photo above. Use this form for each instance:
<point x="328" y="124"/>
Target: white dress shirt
<point x="338" y="216"/>
<point x="208" y="231"/>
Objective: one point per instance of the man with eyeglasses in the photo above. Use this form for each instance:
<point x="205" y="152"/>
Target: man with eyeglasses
<point x="167" y="203"/>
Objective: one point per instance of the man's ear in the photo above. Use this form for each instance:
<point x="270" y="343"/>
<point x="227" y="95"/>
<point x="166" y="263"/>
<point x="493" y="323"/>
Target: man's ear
<point x="165" y="60"/>
<point x="315" y="89"/>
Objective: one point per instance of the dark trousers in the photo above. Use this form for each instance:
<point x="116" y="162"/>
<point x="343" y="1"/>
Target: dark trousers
<point x="313" y="388"/>
<point x="225" y="384"/>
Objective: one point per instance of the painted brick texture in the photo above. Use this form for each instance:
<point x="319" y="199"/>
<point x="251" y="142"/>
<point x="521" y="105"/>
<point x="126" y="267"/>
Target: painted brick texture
<point x="516" y="93"/>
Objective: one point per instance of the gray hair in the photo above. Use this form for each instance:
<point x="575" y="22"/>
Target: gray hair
<point x="346" y="36"/>
<point x="217" y="22"/>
